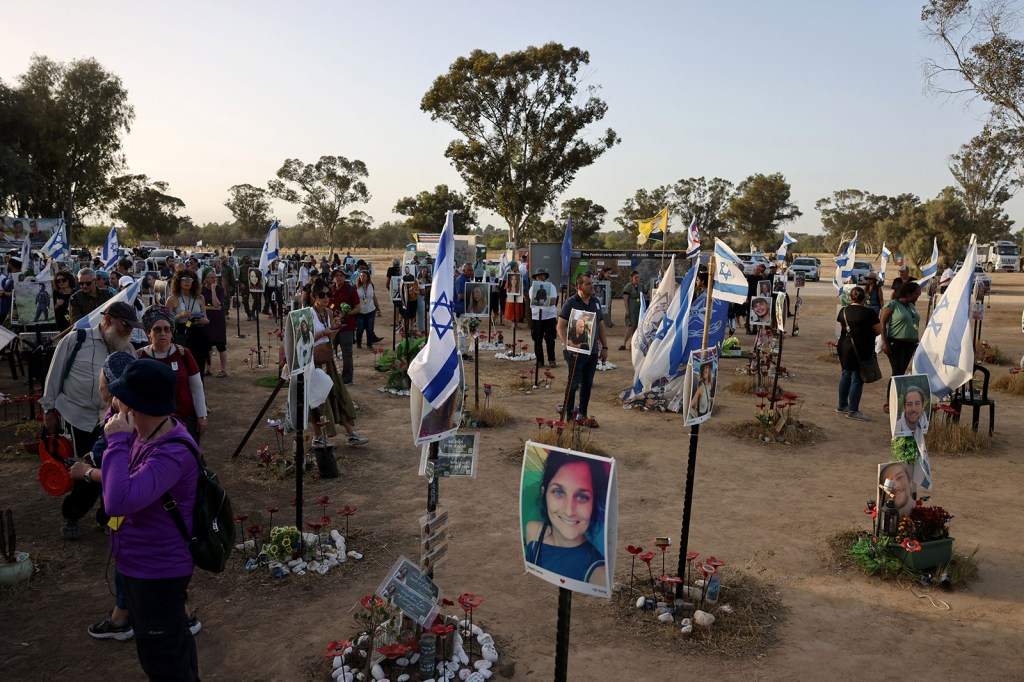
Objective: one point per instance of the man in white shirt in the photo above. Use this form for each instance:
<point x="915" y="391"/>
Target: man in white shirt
<point x="544" y="315"/>
<point x="945" y="278"/>
<point x="304" y="271"/>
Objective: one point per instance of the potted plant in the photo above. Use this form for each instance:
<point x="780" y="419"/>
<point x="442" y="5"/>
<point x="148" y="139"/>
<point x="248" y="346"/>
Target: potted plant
<point x="16" y="567"/>
<point x="929" y="527"/>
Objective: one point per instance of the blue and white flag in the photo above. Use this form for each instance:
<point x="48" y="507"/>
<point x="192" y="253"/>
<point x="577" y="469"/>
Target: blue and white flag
<point x="567" y="251"/>
<point x="650" y="320"/>
<point x="931" y="268"/>
<point x="730" y="284"/>
<point x="435" y="369"/>
<point x="56" y="247"/>
<point x="111" y="250"/>
<point x="723" y="252"/>
<point x="692" y="240"/>
<point x="271" y="248"/>
<point x="502" y="267"/>
<point x="662" y="360"/>
<point x="26" y="253"/>
<point x="128" y="295"/>
<point x="844" y="264"/>
<point x="946" y="351"/>
<point x="883" y="261"/>
<point x="780" y="255"/>
<point x="643" y="310"/>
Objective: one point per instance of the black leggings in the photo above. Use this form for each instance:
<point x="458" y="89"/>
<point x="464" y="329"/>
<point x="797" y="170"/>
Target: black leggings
<point x="900" y="353"/>
<point x="166" y="648"/>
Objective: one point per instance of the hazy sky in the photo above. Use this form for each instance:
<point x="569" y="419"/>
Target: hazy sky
<point x="830" y="94"/>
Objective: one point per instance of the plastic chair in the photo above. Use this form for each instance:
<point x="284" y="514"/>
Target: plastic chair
<point x="968" y="396"/>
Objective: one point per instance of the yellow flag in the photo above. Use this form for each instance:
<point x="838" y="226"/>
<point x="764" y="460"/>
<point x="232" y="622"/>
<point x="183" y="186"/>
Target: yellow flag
<point x="658" y="222"/>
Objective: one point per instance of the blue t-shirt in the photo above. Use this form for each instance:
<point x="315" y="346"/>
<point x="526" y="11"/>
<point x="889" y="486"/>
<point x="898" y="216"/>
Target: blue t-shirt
<point x="460" y="294"/>
<point x="574" y="302"/>
<point x="575" y="563"/>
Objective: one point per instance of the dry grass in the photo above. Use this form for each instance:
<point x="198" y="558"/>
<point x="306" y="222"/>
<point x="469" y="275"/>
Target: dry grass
<point x="750" y="630"/>
<point x="799" y="433"/>
<point x="743" y="385"/>
<point x="956" y="439"/>
<point x="491" y="416"/>
<point x="989" y="354"/>
<point x="580" y="439"/>
<point x="829" y="358"/>
<point x="1011" y="383"/>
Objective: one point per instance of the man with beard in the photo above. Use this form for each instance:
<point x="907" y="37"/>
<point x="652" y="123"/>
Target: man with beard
<point x="71" y="393"/>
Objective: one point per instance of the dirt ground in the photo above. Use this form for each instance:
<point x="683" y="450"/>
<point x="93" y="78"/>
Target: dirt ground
<point x="766" y="511"/>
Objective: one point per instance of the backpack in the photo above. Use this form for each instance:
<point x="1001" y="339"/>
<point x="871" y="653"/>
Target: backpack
<point x="213" y="522"/>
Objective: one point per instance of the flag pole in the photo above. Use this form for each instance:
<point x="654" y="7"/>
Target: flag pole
<point x="691" y="460"/>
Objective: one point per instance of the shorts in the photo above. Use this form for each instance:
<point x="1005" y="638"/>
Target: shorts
<point x="220" y="346"/>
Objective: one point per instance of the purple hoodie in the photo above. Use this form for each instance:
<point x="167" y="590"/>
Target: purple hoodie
<point x="135" y="476"/>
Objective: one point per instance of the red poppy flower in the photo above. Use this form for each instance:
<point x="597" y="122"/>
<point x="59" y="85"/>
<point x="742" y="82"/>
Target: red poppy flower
<point x="241" y="518"/>
<point x="911" y="545"/>
<point x="787" y="396"/>
<point x="337" y="648"/>
<point x="447" y="602"/>
<point x="347" y="510"/>
<point x="526" y="346"/>
<point x="371" y="601"/>
<point x="326" y="520"/>
<point x="255" y="529"/>
<point x="761" y="394"/>
<point x="717" y="563"/>
<point x="560" y="425"/>
<point x="540" y="421"/>
<point x="646" y="558"/>
<point x="634" y="550"/>
<point x="323" y="501"/>
<point x="273" y="510"/>
<point x="468" y="602"/>
<point x="393" y="651"/>
<point x="441" y="630"/>
<point x="690" y="556"/>
<point x="762" y="405"/>
<point x="708" y="570"/>
<point x="314" y="525"/>
<point x="668" y="579"/>
<point x="413" y="644"/>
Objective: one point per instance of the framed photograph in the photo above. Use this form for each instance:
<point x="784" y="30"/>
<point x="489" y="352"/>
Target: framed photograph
<point x="779" y="285"/>
<point x="977" y="311"/>
<point x="799" y="281"/>
<point x="301" y="355"/>
<point x="568" y="517"/>
<point x="429" y="423"/>
<point x="582" y="331"/>
<point x="764" y="287"/>
<point x="33" y="302"/>
<point x="456" y="456"/>
<point x="408" y="589"/>
<point x="543" y="294"/>
<point x="701" y="386"/>
<point x="910" y="400"/>
<point x="761" y="309"/>
<point x="896" y="482"/>
<point x="603" y="291"/>
<point x="410" y="295"/>
<point x="780" y="311"/>
<point x="478" y="299"/>
<point x="514" y="286"/>
<point x="395" y="286"/>
<point x="257" y="281"/>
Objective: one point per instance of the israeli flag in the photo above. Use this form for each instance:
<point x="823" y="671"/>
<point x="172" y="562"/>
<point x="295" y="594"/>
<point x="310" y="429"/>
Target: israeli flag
<point x="92" y="320"/>
<point x="780" y="255"/>
<point x="946" y="351"/>
<point x="723" y="252"/>
<point x="662" y="361"/>
<point x="884" y="260"/>
<point x="435" y="369"/>
<point x="111" y="250"/>
<point x="503" y="267"/>
<point x="271" y="248"/>
<point x="650" y="321"/>
<point x="692" y="239"/>
<point x="566" y="251"/>
<point x="643" y="309"/>
<point x="56" y="247"/>
<point x="931" y="268"/>
<point x="730" y="284"/>
<point x="844" y="264"/>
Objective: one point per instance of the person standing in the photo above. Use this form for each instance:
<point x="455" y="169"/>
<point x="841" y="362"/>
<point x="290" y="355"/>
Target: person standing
<point x="859" y="324"/>
<point x="903" y="278"/>
<point x="368" y="310"/>
<point x="459" y="307"/>
<point x="216" y="331"/>
<point x="63" y="289"/>
<point x="544" y="314"/>
<point x="631" y="294"/>
<point x="88" y="297"/>
<point x="343" y="293"/>
<point x="902" y="323"/>
<point x="605" y="275"/>
<point x="872" y="292"/>
<point x="149" y="455"/>
<point x="583" y="367"/>
<point x="946" y="277"/>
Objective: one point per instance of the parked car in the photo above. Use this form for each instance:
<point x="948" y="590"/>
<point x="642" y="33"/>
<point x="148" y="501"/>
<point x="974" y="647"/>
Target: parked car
<point x="860" y="268"/>
<point x="751" y="261"/>
<point x="979" y="275"/>
<point x="806" y="268"/>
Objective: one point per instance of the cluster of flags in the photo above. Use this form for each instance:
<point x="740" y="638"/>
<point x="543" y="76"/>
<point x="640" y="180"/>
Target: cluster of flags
<point x="271" y="247"/>
<point x="56" y="247"/>
<point x="886" y="254"/>
<point x="111" y="250"/>
<point x="780" y="255"/>
<point x="931" y="268"/>
<point x="844" y="264"/>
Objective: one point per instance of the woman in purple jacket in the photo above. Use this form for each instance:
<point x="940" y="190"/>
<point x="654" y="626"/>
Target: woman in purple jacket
<point x="148" y="454"/>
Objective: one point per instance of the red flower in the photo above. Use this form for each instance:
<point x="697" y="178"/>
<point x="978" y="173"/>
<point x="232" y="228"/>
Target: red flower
<point x="634" y="550"/>
<point x="708" y="570"/>
<point x="326" y="520"/>
<point x="393" y="651"/>
<point x="371" y="601"/>
<point x="670" y="579"/>
<point x="314" y="525"/>
<point x="337" y="648"/>
<point x="911" y="545"/>
<point x="646" y="558"/>
<point x="560" y="425"/>
<point x="690" y="556"/>
<point x="468" y="602"/>
<point x="717" y="563"/>
<point x="441" y="630"/>
<point x="787" y="396"/>
<point x="540" y="421"/>
<point x="241" y="518"/>
<point x="761" y="394"/>
<point x="255" y="530"/>
<point x="447" y="602"/>
<point x="323" y="501"/>
<point x="274" y="510"/>
<point x="347" y="510"/>
<point x="413" y="644"/>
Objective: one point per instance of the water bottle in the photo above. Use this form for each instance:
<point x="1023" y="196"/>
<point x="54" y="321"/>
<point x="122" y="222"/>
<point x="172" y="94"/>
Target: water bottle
<point x="714" y="583"/>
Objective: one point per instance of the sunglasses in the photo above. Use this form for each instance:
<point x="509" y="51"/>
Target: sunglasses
<point x="85" y="283"/>
<point x="323" y="294"/>
<point x="161" y="330"/>
<point x="186" y="279"/>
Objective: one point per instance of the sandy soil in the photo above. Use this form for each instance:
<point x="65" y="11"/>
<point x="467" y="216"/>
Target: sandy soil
<point x="764" y="510"/>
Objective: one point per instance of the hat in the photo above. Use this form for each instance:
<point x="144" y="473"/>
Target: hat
<point x="103" y="274"/>
<point x="115" y="365"/>
<point x="123" y="312"/>
<point x="147" y="386"/>
<point x="339" y="271"/>
<point x="541" y="271"/>
<point x="125" y="281"/>
<point x="871" y="275"/>
<point x="394" y="261"/>
<point x="153" y="314"/>
<point x="307" y="259"/>
<point x="904" y="268"/>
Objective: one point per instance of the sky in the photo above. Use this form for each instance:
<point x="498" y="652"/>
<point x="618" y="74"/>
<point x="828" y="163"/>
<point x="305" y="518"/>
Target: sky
<point x="829" y="94"/>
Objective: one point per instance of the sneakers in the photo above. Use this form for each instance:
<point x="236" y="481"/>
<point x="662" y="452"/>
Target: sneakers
<point x="466" y="357"/>
<point x="107" y="630"/>
<point x="356" y="439"/>
<point x="858" y="416"/>
<point x="840" y="410"/>
<point x="194" y="625"/>
<point x="69" y="529"/>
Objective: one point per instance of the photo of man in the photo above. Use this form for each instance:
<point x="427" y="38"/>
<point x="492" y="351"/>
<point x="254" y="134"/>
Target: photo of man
<point x="901" y="487"/>
<point x="580" y="336"/>
<point x="761" y="309"/>
<point x="912" y="397"/>
<point x="703" y="382"/>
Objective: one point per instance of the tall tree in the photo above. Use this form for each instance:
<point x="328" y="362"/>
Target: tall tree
<point x="322" y="190"/>
<point x="944" y="218"/>
<point x="79" y="112"/>
<point x="251" y="208"/>
<point x="587" y="220"/>
<point x="705" y="200"/>
<point x="522" y="126"/>
<point x="643" y="205"/>
<point x="145" y="208"/>
<point x="428" y="211"/>
<point x="985" y="172"/>
<point x="760" y="205"/>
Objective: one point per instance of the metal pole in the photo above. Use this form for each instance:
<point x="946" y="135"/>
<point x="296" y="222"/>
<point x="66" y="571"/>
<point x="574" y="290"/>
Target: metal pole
<point x="433" y="489"/>
<point x="259" y="417"/>
<point x="259" y="339"/>
<point x="684" y="533"/>
<point x="796" y="311"/>
<point x="778" y="361"/>
<point x="562" y="637"/>
<point x="300" y="457"/>
<point x="476" y="367"/>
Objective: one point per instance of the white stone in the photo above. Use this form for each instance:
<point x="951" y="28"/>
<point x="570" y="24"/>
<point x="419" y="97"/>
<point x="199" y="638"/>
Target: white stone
<point x="310" y="538"/>
<point x="689" y="621"/>
<point x="725" y="608"/>
<point x="666" y="617"/>
<point x="490" y="653"/>
<point x="463" y="658"/>
<point x="405" y="678"/>
<point x="416" y="656"/>
<point x="485" y="664"/>
<point x="313" y="565"/>
<point x="486" y="674"/>
<point x="355" y="555"/>
<point x="377" y="672"/>
<point x="298" y="572"/>
<point x="337" y="662"/>
<point x="485" y="639"/>
<point x="402" y="662"/>
<point x="295" y="562"/>
<point x="476" y="677"/>
<point x="640" y="601"/>
<point x="703" y="618"/>
<point x="336" y="536"/>
<point x="333" y="561"/>
<point x="687" y="629"/>
<point x="337" y="673"/>
<point x="323" y="569"/>
<point x="464" y="673"/>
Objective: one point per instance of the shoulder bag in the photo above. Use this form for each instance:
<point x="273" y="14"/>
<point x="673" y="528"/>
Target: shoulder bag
<point x="870" y="372"/>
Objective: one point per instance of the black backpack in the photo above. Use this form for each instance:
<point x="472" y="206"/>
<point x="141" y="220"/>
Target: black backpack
<point x="213" y="522"/>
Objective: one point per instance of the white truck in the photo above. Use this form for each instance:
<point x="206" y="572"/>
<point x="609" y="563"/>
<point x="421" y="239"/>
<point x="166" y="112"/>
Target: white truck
<point x="1001" y="255"/>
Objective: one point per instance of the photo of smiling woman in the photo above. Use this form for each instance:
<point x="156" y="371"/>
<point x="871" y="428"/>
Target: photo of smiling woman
<point x="568" y="517"/>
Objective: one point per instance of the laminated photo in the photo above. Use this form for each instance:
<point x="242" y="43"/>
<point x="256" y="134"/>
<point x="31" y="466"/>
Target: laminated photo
<point x="761" y="310"/>
<point x="478" y="299"/>
<point x="701" y="386"/>
<point x="568" y="513"/>
<point x="581" y="333"/>
<point x="909" y="405"/>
